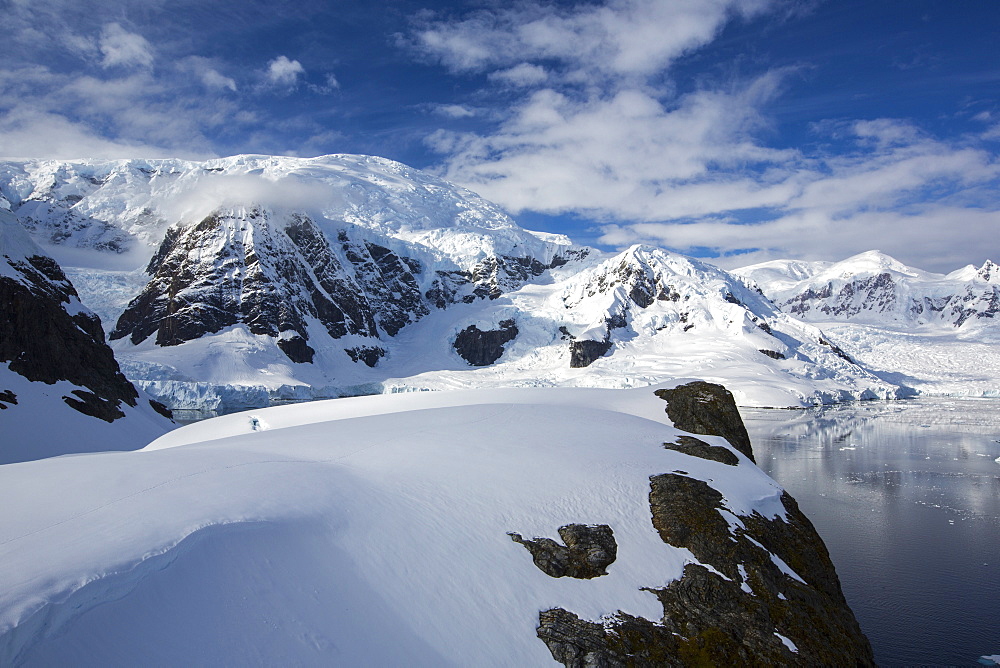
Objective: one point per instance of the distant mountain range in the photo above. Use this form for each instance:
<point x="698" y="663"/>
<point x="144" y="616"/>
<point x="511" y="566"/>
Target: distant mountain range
<point x="244" y="281"/>
<point x="877" y="289"/>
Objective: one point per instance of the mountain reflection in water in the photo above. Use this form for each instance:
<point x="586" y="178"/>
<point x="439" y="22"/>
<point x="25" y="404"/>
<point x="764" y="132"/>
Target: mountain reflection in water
<point x="906" y="496"/>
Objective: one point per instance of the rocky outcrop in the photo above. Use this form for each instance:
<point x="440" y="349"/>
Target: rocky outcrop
<point x="484" y="347"/>
<point x="239" y="267"/>
<point x="369" y="355"/>
<point x="689" y="445"/>
<point x="583" y="353"/>
<point x="43" y="341"/>
<point x="588" y="551"/>
<point x="709" y="409"/>
<point x="763" y="593"/>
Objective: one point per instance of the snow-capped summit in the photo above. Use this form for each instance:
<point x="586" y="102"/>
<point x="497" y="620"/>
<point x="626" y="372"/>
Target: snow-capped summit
<point x="119" y="206"/>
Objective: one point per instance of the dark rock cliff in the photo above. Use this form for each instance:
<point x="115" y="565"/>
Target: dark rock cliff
<point x="244" y="266"/>
<point x="484" y="347"/>
<point x="44" y="342"/>
<point x="764" y="593"/>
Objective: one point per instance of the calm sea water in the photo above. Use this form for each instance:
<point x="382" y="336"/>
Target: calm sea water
<point x="906" y="496"/>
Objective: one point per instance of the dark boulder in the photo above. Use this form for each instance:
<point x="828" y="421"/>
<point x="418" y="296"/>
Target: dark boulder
<point x="297" y="350"/>
<point x="689" y="445"/>
<point x="370" y="355"/>
<point x="588" y="551"/>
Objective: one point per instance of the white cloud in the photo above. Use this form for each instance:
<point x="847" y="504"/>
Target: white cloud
<point x="205" y="70"/>
<point x="34" y="133"/>
<point x="284" y="73"/>
<point x="928" y="202"/>
<point x="120" y="48"/>
<point x="524" y="74"/>
<point x="598" y="130"/>
<point x="619" y="38"/>
<point x="623" y="156"/>
<point x="454" y="110"/>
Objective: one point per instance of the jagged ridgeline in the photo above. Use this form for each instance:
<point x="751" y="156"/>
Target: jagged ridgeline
<point x="240" y="281"/>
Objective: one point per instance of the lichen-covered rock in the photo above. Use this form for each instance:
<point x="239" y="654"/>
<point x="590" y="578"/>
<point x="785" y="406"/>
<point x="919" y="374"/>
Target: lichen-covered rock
<point x="772" y="599"/>
<point x="588" y="551"/>
<point x="484" y="347"/>
<point x="709" y="409"/>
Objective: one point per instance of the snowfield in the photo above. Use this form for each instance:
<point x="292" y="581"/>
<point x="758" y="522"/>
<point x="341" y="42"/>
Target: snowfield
<point x="361" y="531"/>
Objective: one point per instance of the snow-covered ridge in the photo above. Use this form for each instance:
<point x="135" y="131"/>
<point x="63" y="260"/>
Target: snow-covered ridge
<point x="120" y="205"/>
<point x="376" y="531"/>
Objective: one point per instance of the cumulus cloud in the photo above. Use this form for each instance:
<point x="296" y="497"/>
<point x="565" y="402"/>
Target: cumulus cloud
<point x="597" y="129"/>
<point x="204" y="69"/>
<point x="928" y="202"/>
<point x="618" y="38"/>
<point x="121" y="48"/>
<point x="284" y="73"/>
<point x="454" y="110"/>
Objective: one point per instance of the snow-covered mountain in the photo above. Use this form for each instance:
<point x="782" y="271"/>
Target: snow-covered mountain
<point x="61" y="390"/>
<point x="253" y="279"/>
<point x="481" y="528"/>
<point x="874" y="288"/>
<point x="933" y="332"/>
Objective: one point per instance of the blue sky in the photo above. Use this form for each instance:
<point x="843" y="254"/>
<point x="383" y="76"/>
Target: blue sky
<point x="741" y="130"/>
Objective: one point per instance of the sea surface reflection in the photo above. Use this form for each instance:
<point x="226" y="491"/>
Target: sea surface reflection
<point x="906" y="496"/>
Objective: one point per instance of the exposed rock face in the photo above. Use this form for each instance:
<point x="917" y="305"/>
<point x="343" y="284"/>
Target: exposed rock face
<point x="44" y="342"/>
<point x="765" y="592"/>
<point x="297" y="349"/>
<point x="482" y="348"/>
<point x="245" y="266"/>
<point x="696" y="447"/>
<point x="588" y="551"/>
<point x="707" y="408"/>
<point x="370" y="355"/>
<point x="583" y="353"/>
<point x="240" y="268"/>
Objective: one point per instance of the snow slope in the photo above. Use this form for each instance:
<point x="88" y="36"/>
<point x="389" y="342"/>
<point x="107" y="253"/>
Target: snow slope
<point x="365" y="531"/>
<point x="936" y="333"/>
